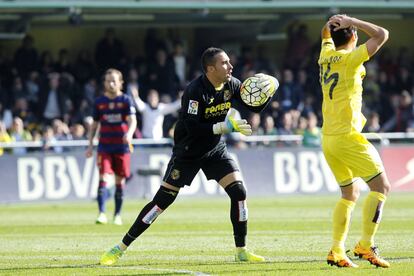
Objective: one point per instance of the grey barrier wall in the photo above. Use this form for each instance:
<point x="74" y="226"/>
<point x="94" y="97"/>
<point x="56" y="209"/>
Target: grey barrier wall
<point x="70" y="176"/>
<point x="266" y="171"/>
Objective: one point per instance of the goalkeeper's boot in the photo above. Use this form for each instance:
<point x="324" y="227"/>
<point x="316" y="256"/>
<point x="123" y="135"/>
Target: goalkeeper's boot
<point x="101" y="219"/>
<point x="370" y="254"/>
<point x="112" y="256"/>
<point x="339" y="260"/>
<point x="243" y="255"/>
<point x="117" y="220"/>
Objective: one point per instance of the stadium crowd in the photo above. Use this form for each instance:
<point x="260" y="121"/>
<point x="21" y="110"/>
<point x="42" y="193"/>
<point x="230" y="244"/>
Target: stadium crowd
<point x="47" y="99"/>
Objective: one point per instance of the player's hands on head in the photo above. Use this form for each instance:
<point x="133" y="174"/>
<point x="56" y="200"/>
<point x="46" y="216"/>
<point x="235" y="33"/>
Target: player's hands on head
<point x="267" y="83"/>
<point x="340" y="21"/>
<point x="232" y="125"/>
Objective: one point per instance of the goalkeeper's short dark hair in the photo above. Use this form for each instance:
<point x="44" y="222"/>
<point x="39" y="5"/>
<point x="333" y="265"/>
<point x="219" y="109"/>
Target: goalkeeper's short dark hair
<point x="342" y="36"/>
<point x="208" y="58"/>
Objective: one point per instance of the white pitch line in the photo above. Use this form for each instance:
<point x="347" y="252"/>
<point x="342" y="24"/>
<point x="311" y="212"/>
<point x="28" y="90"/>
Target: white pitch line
<point x="161" y="269"/>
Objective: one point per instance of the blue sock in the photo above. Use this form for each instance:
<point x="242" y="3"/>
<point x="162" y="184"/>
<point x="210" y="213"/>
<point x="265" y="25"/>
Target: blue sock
<point x="119" y="196"/>
<point x="102" y="196"/>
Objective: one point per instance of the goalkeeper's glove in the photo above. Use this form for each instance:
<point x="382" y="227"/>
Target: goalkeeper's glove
<point x="232" y="125"/>
<point x="267" y="83"/>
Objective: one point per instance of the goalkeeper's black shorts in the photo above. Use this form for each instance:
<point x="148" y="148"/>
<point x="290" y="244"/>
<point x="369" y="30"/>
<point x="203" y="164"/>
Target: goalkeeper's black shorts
<point x="181" y="172"/>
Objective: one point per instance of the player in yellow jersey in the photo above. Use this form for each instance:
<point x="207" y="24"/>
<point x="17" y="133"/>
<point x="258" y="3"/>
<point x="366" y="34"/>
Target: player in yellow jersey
<point x="348" y="153"/>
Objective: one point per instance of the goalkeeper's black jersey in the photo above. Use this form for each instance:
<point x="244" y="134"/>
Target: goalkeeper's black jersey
<point x="201" y="107"/>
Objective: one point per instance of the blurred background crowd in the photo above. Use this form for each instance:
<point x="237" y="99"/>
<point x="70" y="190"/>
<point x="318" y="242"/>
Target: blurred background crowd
<point x="48" y="98"/>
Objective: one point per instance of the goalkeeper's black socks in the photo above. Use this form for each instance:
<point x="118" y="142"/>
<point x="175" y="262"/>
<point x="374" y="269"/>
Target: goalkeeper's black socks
<point x="162" y="199"/>
<point x="238" y="212"/>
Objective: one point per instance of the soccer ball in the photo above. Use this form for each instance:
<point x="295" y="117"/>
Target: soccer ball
<point x="251" y="94"/>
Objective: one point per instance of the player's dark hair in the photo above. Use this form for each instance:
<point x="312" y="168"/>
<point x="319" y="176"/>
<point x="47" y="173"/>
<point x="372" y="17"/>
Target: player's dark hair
<point x="208" y="58"/>
<point x="342" y="36"/>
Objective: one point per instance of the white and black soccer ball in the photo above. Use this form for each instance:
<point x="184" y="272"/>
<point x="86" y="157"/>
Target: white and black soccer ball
<point x="251" y="94"/>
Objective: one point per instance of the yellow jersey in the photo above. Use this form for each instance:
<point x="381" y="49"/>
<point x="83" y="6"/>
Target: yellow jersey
<point x="341" y="73"/>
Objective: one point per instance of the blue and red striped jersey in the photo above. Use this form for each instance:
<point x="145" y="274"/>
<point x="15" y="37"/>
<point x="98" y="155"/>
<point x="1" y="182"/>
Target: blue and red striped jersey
<point x="112" y="115"/>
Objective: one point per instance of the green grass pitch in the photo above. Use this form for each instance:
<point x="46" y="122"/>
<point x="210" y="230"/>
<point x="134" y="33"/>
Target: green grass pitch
<point x="194" y="237"/>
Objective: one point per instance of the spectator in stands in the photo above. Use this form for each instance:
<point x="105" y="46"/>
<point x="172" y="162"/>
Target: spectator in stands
<point x="254" y="120"/>
<point x="290" y="93"/>
<point x="310" y="105"/>
<point x="18" y="89"/>
<point x="298" y="46"/>
<point x="373" y="123"/>
<point x="46" y="65"/>
<point x="403" y="79"/>
<point x="312" y="133"/>
<point x="153" y="113"/>
<point x="247" y="60"/>
<point x="7" y="71"/>
<point x="26" y="57"/>
<point x="33" y="90"/>
<point x="301" y="126"/>
<point x="269" y="129"/>
<point x="161" y="75"/>
<point x="109" y="51"/>
<point x="22" y="110"/>
<point x="386" y="63"/>
<point x="6" y="116"/>
<point x="386" y="109"/>
<point x="84" y="68"/>
<point x="63" y="63"/>
<point x="19" y="134"/>
<point x="404" y="58"/>
<point x="4" y="136"/>
<point x="180" y="63"/>
<point x="152" y="43"/>
<point x="87" y="123"/>
<point x="77" y="132"/>
<point x="85" y="109"/>
<point x="286" y="128"/>
<point x="48" y="138"/>
<point x="133" y="82"/>
<point x="403" y="115"/>
<point x="61" y="132"/>
<point x="52" y="100"/>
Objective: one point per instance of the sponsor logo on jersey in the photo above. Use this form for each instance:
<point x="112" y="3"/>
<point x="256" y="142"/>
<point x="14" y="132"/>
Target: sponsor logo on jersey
<point x="218" y="108"/>
<point x="175" y="174"/>
<point x="111" y="105"/>
<point x="119" y="105"/>
<point x="193" y="107"/>
<point x="227" y="95"/>
<point x="112" y="118"/>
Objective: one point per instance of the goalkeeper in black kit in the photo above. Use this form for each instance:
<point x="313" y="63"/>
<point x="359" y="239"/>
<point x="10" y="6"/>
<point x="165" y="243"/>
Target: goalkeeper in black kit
<point x="203" y="119"/>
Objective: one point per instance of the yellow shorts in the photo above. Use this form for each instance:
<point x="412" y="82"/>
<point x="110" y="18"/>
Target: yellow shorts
<point x="350" y="156"/>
